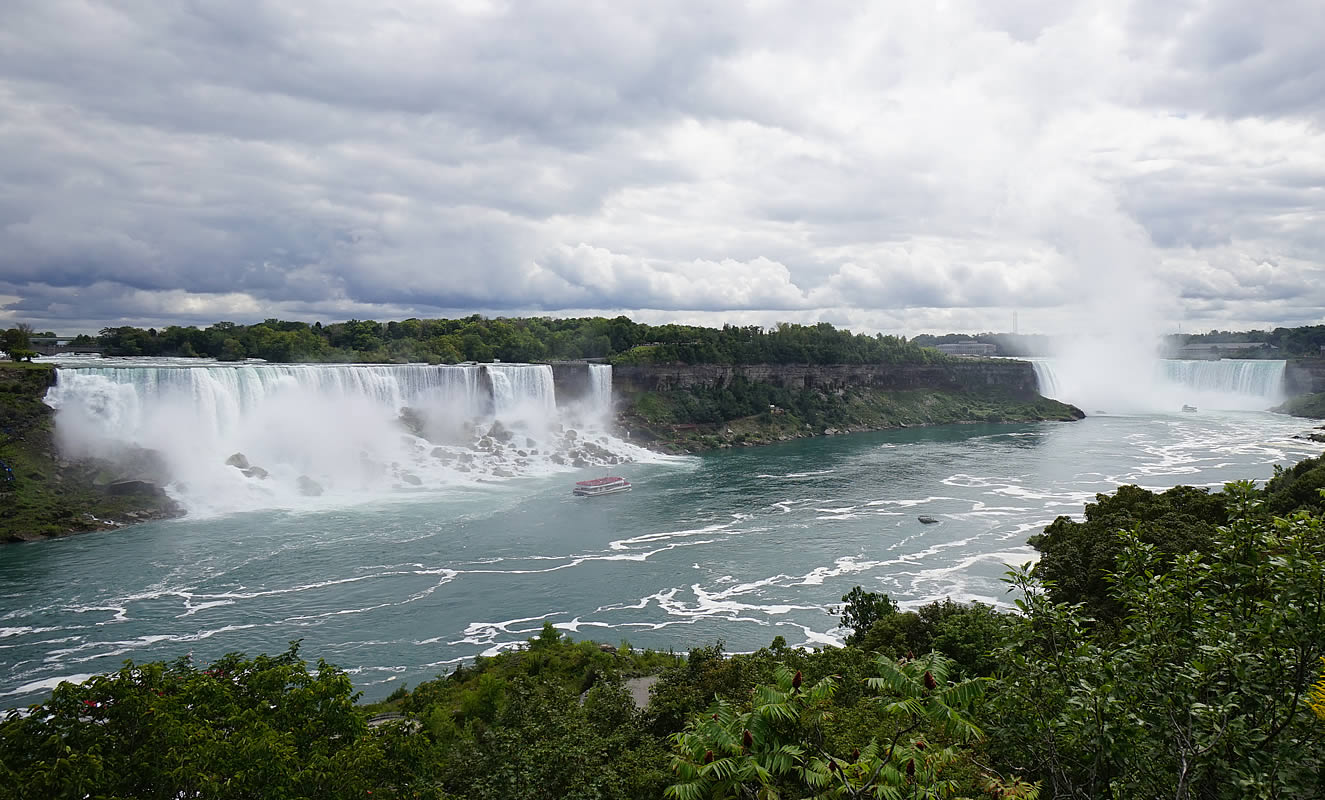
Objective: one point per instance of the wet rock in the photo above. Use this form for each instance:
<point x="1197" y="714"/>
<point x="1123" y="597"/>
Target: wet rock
<point x="572" y="435"/>
<point x="412" y="479"/>
<point x="502" y="472"/>
<point x="255" y="472"/>
<point x="133" y="489"/>
<point x="557" y="459"/>
<point x="485" y="443"/>
<point x="238" y="460"/>
<point x="500" y="432"/>
<point x="522" y="453"/>
<point x="461" y="468"/>
<point x="412" y="420"/>
<point x="529" y="442"/>
<point x="466" y="458"/>
<point x="308" y="487"/>
<point x="443" y="454"/>
<point x="580" y="463"/>
<point x="533" y="452"/>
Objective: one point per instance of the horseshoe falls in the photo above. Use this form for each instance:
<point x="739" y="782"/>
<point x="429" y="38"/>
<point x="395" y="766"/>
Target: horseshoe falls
<point x="1162" y="385"/>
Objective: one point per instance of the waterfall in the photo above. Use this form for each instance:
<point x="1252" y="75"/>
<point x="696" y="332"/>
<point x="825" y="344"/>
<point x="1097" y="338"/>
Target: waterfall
<point x="1163" y="385"/>
<point x="600" y="389"/>
<point x="521" y="387"/>
<point x="349" y="429"/>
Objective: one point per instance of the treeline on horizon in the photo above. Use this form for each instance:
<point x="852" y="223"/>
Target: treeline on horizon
<point x="1167" y="645"/>
<point x="1306" y="340"/>
<point x="476" y="338"/>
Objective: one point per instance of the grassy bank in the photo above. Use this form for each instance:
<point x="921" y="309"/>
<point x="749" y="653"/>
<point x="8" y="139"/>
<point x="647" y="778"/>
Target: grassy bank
<point x="747" y="414"/>
<point x="41" y="495"/>
<point x="1311" y="406"/>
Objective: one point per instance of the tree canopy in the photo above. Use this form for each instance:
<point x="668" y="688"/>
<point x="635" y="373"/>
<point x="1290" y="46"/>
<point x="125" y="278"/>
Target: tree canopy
<point x="478" y="338"/>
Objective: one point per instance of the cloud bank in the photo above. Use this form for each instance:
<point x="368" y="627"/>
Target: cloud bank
<point x="888" y="168"/>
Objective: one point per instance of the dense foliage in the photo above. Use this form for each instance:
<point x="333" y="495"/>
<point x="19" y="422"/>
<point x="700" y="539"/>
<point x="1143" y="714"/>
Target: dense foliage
<point x="1205" y="683"/>
<point x="16" y="342"/>
<point x="477" y="338"/>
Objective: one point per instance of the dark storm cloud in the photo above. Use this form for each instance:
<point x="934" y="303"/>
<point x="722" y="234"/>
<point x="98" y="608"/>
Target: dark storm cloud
<point x="200" y="160"/>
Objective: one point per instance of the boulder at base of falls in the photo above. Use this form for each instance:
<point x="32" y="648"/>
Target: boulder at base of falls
<point x="412" y="420"/>
<point x="502" y="472"/>
<point x="308" y="487"/>
<point x="238" y="460"/>
<point x="499" y="432"/>
<point x="411" y="479"/>
<point x="255" y="472"/>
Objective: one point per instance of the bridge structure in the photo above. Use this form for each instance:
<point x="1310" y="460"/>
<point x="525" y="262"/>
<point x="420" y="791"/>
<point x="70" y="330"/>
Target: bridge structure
<point x="62" y="345"/>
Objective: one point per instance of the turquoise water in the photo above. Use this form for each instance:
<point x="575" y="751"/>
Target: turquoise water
<point x="740" y="545"/>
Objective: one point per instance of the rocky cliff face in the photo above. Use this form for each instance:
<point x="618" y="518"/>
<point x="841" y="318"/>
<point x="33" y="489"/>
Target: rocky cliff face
<point x="1012" y="378"/>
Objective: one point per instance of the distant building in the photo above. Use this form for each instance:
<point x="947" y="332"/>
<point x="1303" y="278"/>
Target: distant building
<point x="1213" y="350"/>
<point x="968" y="348"/>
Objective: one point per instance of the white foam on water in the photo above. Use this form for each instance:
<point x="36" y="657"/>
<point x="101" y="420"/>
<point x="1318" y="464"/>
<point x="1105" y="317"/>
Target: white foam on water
<point x="46" y="684"/>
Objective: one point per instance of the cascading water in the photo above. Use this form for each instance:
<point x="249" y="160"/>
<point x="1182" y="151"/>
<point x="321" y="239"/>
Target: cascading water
<point x="600" y="389"/>
<point x="319" y="431"/>
<point x="1166" y="385"/>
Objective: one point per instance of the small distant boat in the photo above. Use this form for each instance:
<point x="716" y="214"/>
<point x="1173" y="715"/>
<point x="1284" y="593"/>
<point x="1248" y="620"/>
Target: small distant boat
<point x="927" y="520"/>
<point x="598" y="486"/>
<point x="1189" y="409"/>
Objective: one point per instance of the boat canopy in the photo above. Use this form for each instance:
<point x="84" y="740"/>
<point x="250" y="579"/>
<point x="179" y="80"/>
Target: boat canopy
<point x="599" y="482"/>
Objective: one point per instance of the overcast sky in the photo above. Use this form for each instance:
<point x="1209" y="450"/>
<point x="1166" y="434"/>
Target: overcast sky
<point x="896" y="167"/>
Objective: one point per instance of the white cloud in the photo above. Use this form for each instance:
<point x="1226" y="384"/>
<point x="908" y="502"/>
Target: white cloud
<point x="899" y="168"/>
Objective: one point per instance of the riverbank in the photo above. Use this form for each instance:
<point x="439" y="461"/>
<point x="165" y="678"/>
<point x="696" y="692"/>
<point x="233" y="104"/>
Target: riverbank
<point x="1308" y="406"/>
<point x="42" y="495"/>
<point x="698" y="418"/>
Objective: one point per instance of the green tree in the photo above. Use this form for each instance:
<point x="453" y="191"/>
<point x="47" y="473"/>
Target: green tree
<point x="862" y="609"/>
<point x="242" y="728"/>
<point x="1201" y="690"/>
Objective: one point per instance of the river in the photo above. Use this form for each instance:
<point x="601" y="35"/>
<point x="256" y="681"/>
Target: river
<point x="739" y="545"/>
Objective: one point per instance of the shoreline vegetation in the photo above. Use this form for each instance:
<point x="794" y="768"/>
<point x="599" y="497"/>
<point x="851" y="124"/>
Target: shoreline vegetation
<point x="1167" y="645"/>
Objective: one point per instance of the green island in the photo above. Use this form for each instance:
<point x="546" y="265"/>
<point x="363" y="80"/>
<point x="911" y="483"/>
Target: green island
<point x="1167" y="645"/>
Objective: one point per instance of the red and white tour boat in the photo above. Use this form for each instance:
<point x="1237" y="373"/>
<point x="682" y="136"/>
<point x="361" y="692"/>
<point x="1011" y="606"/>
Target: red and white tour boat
<point x="599" y="486"/>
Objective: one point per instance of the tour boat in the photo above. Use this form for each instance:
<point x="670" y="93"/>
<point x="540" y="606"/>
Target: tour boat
<point x="1189" y="409"/>
<point x="599" y="486"/>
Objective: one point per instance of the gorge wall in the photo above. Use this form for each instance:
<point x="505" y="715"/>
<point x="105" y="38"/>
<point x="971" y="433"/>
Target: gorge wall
<point x="1304" y="376"/>
<point x="1013" y="378"/>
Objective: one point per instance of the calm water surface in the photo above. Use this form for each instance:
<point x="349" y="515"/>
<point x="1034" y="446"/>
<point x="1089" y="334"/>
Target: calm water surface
<point x="741" y="545"/>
